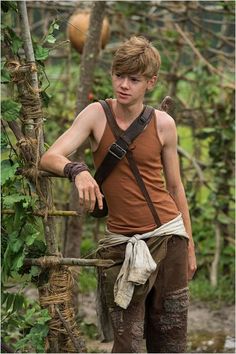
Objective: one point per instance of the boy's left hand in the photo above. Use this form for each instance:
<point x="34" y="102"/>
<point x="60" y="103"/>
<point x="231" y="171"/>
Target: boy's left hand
<point x="192" y="263"/>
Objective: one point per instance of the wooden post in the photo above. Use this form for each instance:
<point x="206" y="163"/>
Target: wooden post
<point x="31" y="145"/>
<point x="33" y="123"/>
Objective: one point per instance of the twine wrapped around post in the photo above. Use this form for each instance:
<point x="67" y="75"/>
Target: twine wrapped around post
<point x="56" y="297"/>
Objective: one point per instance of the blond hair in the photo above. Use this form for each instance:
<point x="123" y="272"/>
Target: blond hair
<point x="137" y="56"/>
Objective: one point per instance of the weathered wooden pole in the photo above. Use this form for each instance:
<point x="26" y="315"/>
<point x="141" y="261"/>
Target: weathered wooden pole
<point x="55" y="294"/>
<point x="32" y="125"/>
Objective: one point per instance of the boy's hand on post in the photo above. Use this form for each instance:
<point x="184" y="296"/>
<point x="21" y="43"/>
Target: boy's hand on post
<point x="89" y="191"/>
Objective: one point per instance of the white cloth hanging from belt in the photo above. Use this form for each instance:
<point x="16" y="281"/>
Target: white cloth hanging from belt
<point x="138" y="264"/>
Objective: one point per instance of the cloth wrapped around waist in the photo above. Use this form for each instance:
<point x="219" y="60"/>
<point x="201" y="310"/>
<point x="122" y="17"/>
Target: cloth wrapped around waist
<point x="135" y="261"/>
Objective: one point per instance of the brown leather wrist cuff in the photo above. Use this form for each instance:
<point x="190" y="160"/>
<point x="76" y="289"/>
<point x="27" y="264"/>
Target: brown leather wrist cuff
<point x="72" y="169"/>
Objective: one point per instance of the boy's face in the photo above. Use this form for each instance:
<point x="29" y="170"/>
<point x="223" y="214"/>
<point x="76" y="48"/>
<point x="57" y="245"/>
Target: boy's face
<point x="131" y="88"/>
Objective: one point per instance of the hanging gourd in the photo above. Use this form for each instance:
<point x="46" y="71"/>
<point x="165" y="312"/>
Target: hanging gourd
<point x="77" y="29"/>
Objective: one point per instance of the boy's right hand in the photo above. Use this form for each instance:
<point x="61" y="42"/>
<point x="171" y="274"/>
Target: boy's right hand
<point x="89" y="191"/>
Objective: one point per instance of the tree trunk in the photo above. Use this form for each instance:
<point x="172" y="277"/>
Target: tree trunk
<point x="88" y="62"/>
<point x="87" y="68"/>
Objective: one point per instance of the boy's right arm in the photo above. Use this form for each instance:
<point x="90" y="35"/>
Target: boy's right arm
<point x="55" y="159"/>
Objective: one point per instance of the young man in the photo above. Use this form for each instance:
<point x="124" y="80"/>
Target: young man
<point x="161" y="298"/>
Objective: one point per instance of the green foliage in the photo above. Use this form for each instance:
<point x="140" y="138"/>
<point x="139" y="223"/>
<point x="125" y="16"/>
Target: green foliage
<point x="201" y="290"/>
<point x="87" y="280"/>
<point x="8" y="169"/>
<point x="89" y="329"/>
<point x="49" y="37"/>
<point x="24" y="323"/>
<point x="9" y="37"/>
<point x="21" y="230"/>
<point x="8" y="5"/>
<point x="5" y="76"/>
<point x="87" y="245"/>
<point x="10" y="110"/>
<point x="41" y="53"/>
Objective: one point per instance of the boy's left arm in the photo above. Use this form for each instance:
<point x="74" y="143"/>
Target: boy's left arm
<point x="175" y="187"/>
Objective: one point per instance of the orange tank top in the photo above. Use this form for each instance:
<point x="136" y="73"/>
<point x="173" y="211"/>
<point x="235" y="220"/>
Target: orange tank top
<point x="128" y="209"/>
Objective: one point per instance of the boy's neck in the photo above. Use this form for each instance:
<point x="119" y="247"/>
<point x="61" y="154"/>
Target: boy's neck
<point x="127" y="113"/>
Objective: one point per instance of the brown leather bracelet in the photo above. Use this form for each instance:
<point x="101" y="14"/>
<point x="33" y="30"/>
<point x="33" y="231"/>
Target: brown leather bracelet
<point x="72" y="169"/>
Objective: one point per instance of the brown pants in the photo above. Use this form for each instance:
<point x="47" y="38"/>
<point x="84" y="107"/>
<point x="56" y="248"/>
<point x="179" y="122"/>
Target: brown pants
<point x="158" y="309"/>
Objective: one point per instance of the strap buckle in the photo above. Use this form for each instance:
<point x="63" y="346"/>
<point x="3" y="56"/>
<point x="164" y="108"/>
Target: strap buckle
<point x="117" y="151"/>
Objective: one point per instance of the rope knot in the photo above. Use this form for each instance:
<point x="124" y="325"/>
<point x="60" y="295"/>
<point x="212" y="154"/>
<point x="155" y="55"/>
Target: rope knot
<point x="133" y="239"/>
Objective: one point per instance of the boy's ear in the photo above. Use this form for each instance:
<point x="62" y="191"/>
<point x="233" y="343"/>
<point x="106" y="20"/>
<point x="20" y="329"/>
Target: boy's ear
<point x="152" y="82"/>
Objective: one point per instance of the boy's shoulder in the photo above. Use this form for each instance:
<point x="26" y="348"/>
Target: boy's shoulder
<point x="92" y="110"/>
<point x="164" y="120"/>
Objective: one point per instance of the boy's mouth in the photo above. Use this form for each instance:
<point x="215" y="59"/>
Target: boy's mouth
<point x="122" y="94"/>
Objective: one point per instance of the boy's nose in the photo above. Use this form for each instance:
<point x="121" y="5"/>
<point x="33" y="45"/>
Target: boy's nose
<point x="125" y="82"/>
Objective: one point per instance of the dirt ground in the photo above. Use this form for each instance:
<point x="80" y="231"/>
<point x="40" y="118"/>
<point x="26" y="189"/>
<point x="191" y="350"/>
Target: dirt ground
<point x="209" y="330"/>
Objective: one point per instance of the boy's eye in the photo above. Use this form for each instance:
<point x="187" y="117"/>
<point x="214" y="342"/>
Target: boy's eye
<point x="134" y="78"/>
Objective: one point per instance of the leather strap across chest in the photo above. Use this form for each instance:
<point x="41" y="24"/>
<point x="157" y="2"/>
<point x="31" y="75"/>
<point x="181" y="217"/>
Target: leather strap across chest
<point x="119" y="149"/>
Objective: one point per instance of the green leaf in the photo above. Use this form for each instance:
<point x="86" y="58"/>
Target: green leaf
<point x="10" y="110"/>
<point x="18" y="261"/>
<point x="16" y="41"/>
<point x="10" y="300"/>
<point x="18" y="302"/>
<point x="208" y="130"/>
<point x="35" y="271"/>
<point x="7" y="5"/>
<point x="41" y="53"/>
<point x="30" y="239"/>
<point x="6" y="261"/>
<point x="29" y="315"/>
<point x="39" y="328"/>
<point x="44" y="316"/>
<point x="10" y="200"/>
<point x="5" y="76"/>
<point x="54" y="26"/>
<point x="19" y="215"/>
<point x="8" y="170"/>
<point x="16" y="245"/>
<point x="223" y="219"/>
<point x="50" y="39"/>
<point x="3" y="297"/>
<point x="37" y="249"/>
<point x="4" y="141"/>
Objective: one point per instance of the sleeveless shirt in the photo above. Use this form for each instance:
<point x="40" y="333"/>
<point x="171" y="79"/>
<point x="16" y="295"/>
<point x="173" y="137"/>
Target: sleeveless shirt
<point x="128" y="209"/>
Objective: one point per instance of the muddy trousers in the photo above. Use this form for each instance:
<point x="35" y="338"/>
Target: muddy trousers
<point x="161" y="317"/>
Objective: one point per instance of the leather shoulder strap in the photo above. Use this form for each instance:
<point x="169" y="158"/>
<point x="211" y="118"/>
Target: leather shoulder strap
<point x="141" y="184"/>
<point x="119" y="148"/>
<point x="134" y="129"/>
<point x="110" y="119"/>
